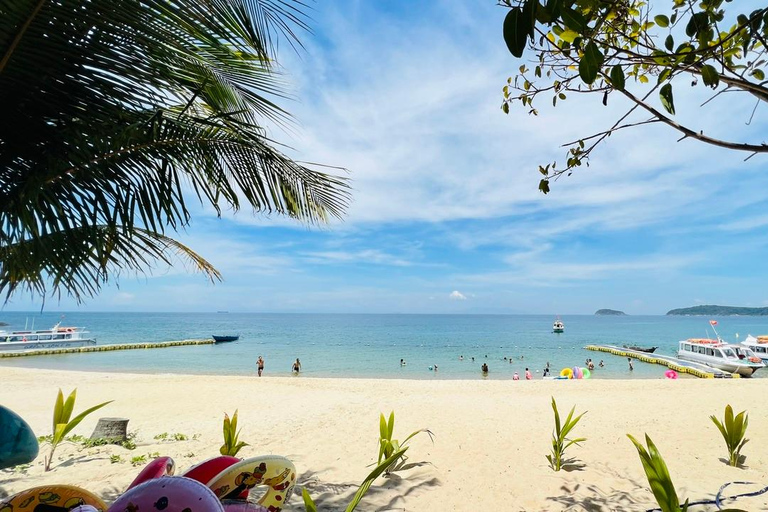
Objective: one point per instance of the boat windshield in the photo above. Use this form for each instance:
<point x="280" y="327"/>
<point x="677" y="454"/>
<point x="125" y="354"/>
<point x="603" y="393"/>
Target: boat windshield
<point x="730" y="353"/>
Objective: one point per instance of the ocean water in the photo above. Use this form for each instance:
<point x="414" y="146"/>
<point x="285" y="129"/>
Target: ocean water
<point x="372" y="345"/>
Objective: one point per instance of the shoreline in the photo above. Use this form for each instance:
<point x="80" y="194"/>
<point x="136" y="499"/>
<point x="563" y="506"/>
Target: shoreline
<point x="488" y="453"/>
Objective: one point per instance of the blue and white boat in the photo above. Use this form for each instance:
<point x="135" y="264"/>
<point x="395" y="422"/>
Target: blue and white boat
<point x="55" y="337"/>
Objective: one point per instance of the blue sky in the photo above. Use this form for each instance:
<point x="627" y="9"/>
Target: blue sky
<point x="446" y="215"/>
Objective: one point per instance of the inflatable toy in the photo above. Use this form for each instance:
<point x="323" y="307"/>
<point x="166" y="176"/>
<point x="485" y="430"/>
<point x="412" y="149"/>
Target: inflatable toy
<point x="18" y="444"/>
<point x="585" y="373"/>
<point x="206" y="470"/>
<point x="51" y="498"/>
<point x="278" y="474"/>
<point x="567" y="373"/>
<point x="170" y="494"/>
<point x="576" y="372"/>
<point x="671" y="374"/>
<point x="84" y="508"/>
<point x="161" y="466"/>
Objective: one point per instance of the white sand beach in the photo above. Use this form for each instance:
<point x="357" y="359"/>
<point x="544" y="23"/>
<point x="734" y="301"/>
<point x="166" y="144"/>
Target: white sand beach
<point x="491" y="437"/>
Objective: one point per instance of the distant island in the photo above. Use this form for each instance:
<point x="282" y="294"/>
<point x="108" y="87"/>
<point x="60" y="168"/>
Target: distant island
<point x="610" y="312"/>
<point x="712" y="310"/>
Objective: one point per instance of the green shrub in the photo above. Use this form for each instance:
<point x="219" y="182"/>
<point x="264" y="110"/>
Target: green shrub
<point x="138" y="460"/>
<point x="658" y="476"/>
<point x="733" y="431"/>
<point x="560" y="441"/>
<point x="62" y="424"/>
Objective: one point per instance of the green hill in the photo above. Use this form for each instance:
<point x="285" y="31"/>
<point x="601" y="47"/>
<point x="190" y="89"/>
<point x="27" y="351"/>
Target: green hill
<point x="712" y="310"/>
<point x="610" y="312"/>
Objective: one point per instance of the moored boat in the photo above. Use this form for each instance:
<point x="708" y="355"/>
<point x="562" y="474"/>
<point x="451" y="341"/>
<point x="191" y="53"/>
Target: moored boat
<point x="647" y="350"/>
<point x="718" y="354"/>
<point x="757" y="345"/>
<point x="558" y="325"/>
<point x="225" y="338"/>
<point x="55" y="337"/>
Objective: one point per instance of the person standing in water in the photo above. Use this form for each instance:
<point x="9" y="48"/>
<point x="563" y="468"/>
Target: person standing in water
<point x="528" y="375"/>
<point x="260" y="365"/>
<point x="297" y="366"/>
<point x="630" y="364"/>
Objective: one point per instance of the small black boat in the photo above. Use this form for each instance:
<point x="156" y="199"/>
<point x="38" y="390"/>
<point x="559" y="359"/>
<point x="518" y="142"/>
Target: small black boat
<point x="650" y="350"/>
<point x="223" y="339"/>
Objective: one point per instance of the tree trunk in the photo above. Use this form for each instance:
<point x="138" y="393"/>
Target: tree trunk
<point x="112" y="429"/>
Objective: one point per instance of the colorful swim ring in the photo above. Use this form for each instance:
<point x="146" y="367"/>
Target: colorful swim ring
<point x="670" y="374"/>
<point x="278" y="474"/>
<point x="577" y="372"/>
<point x="169" y="494"/>
<point x="585" y="373"/>
<point x="159" y="467"/>
<point x="567" y="373"/>
<point x="51" y="497"/>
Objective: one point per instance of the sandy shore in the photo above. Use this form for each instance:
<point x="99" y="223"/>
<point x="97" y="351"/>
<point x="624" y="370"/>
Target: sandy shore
<point x="490" y="436"/>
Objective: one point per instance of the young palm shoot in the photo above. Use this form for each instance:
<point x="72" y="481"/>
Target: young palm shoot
<point x="231" y="444"/>
<point x="658" y="476"/>
<point x="733" y="430"/>
<point x="62" y="424"/>
<point x="560" y="441"/>
<point x="389" y="446"/>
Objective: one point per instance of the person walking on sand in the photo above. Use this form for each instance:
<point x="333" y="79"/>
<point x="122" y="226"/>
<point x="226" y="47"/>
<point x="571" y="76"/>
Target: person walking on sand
<point x="260" y="365"/>
<point x="297" y="366"/>
<point x="528" y="375"/>
<point x="630" y="364"/>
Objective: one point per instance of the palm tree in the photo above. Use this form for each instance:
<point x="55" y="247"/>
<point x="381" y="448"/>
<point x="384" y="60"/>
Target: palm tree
<point x="113" y="114"/>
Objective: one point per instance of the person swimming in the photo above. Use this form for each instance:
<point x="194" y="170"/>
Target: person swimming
<point x="484" y="368"/>
<point x="402" y="362"/>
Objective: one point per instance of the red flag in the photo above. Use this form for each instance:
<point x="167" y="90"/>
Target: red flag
<point x="713" y="322"/>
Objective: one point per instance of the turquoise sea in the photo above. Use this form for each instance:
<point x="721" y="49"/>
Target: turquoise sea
<point x="372" y="345"/>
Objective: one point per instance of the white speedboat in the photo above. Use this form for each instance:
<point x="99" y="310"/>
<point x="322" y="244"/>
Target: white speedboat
<point x="757" y="345"/>
<point x="558" y="325"/>
<point x="55" y="337"/>
<point x="718" y="354"/>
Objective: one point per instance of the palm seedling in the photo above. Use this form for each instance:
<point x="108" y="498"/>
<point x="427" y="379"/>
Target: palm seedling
<point x="389" y="446"/>
<point x="231" y="444"/>
<point x="62" y="424"/>
<point x="560" y="440"/>
<point x="658" y="476"/>
<point x="733" y="430"/>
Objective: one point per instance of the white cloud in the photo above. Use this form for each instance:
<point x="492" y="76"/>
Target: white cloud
<point x="457" y="295"/>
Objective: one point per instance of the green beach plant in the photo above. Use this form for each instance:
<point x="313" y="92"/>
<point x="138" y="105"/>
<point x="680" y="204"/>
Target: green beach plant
<point x="560" y="441"/>
<point x="658" y="476"/>
<point x="389" y="446"/>
<point x="62" y="424"/>
<point x="231" y="443"/>
<point x="381" y="467"/>
<point x="733" y="430"/>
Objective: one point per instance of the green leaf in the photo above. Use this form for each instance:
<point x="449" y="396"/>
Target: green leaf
<point x="669" y="42"/>
<point x="667" y="101"/>
<point x="574" y="20"/>
<point x="544" y="186"/>
<point x="371" y="477"/>
<point x="661" y="20"/>
<point x="758" y="73"/>
<point x="58" y="410"/>
<point x="515" y="31"/>
<point x="590" y="63"/>
<point x="617" y="77"/>
<point x="569" y="35"/>
<point x="80" y="417"/>
<point x="710" y="75"/>
<point x="391" y="425"/>
<point x="309" y="505"/>
<point x="69" y="405"/>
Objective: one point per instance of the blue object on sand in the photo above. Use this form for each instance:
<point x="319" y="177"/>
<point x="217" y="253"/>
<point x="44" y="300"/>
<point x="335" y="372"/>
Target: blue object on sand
<point x="18" y="444"/>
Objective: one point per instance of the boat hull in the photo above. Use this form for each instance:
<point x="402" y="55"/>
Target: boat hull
<point x="745" y="370"/>
<point x="45" y="344"/>
<point x="225" y="339"/>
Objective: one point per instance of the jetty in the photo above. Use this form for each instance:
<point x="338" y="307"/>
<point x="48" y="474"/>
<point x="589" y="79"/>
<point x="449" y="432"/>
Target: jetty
<point x="103" y="348"/>
<point x="680" y="366"/>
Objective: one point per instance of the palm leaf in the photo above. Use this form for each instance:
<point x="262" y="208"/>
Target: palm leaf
<point x="116" y="113"/>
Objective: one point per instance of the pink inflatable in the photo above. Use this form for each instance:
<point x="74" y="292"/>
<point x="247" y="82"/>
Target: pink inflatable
<point x="84" y="508"/>
<point x="161" y="466"/>
<point x="671" y="374"/>
<point x="170" y="494"/>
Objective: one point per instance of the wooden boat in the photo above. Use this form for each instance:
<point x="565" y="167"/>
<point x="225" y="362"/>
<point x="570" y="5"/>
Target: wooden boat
<point x="224" y="339"/>
<point x="647" y="350"/>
